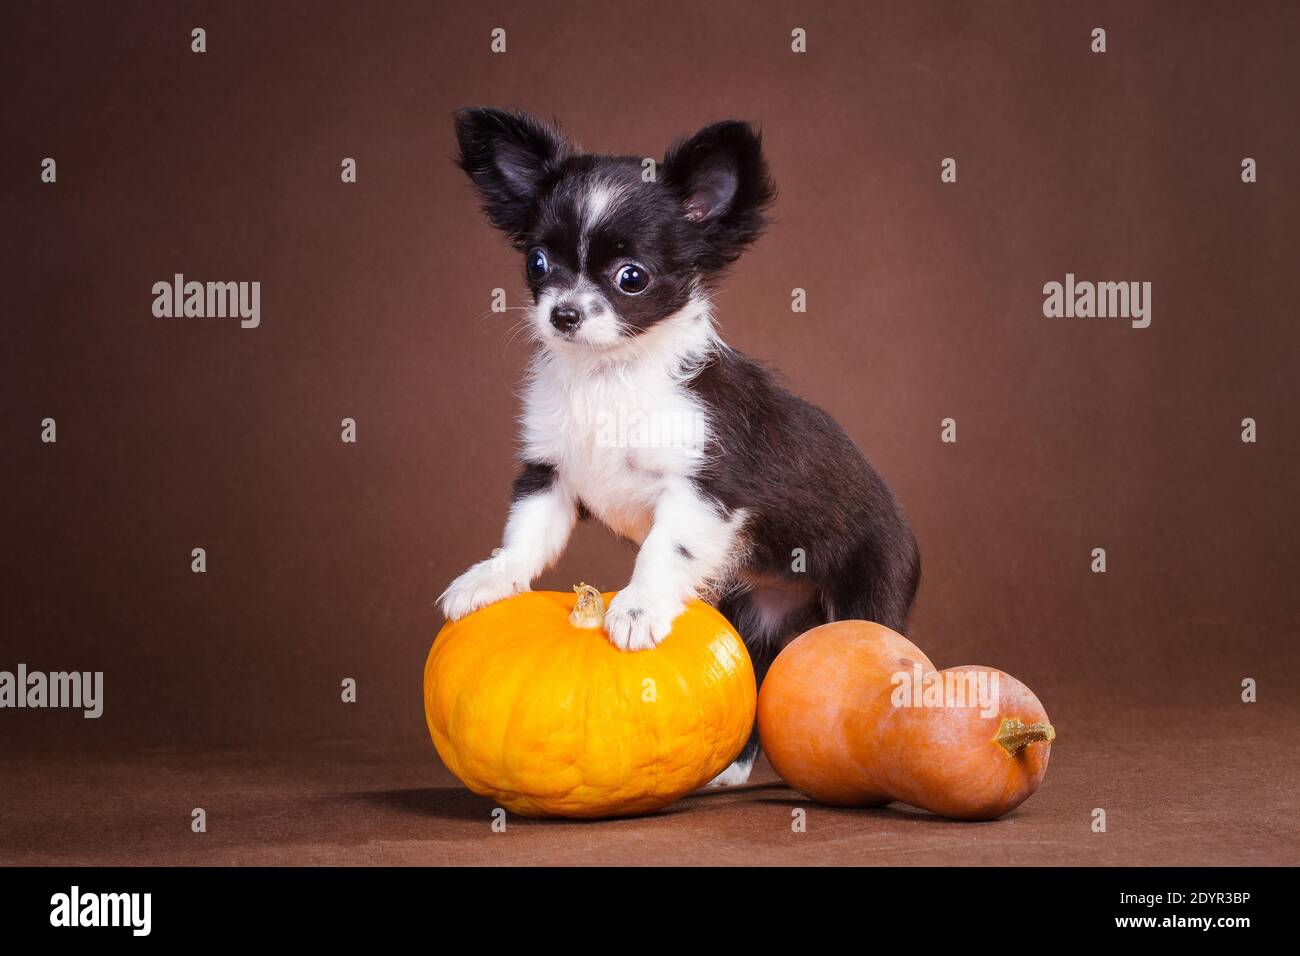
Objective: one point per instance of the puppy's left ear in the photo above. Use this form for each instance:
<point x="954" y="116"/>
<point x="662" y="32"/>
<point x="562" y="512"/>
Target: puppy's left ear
<point x="722" y="181"/>
<point x="509" y="157"/>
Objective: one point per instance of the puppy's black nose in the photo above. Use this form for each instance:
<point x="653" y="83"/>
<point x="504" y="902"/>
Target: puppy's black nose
<point x="565" y="317"/>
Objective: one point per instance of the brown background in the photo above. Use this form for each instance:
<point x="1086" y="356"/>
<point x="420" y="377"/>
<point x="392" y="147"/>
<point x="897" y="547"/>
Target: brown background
<point x="924" y="302"/>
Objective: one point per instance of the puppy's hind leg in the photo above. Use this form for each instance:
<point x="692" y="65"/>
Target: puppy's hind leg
<point x="876" y="584"/>
<point x="767" y="619"/>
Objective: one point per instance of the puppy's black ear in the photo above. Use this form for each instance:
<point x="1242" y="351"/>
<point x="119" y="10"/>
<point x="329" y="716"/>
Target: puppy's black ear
<point x="721" y="178"/>
<point x="509" y="157"/>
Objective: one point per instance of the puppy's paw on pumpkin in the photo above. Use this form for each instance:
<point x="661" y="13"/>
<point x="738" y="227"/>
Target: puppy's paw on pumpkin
<point x="485" y="583"/>
<point x="638" y="620"/>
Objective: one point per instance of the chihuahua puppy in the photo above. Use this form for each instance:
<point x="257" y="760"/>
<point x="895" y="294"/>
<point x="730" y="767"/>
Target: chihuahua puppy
<point x="636" y="413"/>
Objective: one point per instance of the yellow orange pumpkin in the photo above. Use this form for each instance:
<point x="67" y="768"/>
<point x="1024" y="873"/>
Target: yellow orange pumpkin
<point x="529" y="703"/>
<point x="854" y="714"/>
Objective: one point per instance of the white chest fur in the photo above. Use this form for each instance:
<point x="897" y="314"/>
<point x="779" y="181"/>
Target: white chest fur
<point x="619" y="435"/>
<point x="622" y="429"/>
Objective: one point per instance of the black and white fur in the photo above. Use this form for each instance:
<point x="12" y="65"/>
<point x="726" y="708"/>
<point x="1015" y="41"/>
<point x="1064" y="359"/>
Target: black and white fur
<point x="752" y="472"/>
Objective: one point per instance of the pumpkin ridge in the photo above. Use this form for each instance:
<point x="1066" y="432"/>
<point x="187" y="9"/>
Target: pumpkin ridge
<point x="543" y="651"/>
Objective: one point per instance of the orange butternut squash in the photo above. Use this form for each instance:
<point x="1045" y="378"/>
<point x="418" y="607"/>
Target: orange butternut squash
<point x="853" y="714"/>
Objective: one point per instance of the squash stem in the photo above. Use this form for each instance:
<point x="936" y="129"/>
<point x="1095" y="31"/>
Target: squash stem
<point x="1013" y="736"/>
<point x="589" y="610"/>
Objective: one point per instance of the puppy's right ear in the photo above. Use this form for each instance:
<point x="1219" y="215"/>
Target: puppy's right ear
<point x="508" y="157"/>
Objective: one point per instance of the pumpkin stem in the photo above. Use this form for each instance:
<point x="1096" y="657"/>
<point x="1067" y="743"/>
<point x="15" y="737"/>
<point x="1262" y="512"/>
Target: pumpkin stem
<point x="1013" y="736"/>
<point x="589" y="610"/>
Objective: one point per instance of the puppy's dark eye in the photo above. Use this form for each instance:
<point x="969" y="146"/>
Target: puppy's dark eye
<point x="632" y="279"/>
<point x="537" y="265"/>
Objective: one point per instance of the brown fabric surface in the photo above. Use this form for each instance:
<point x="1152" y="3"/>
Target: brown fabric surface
<point x="1179" y="788"/>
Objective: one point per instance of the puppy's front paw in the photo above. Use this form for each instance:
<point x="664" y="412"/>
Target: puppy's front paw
<point x="638" y="619"/>
<point x="485" y="583"/>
